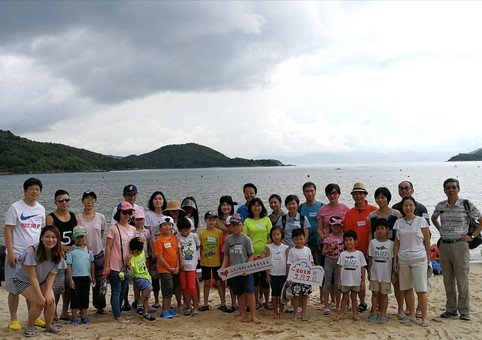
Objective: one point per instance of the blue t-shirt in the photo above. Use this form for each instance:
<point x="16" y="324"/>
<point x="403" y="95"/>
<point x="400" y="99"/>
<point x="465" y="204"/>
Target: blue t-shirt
<point x="310" y="212"/>
<point x="243" y="211"/>
<point x="81" y="259"/>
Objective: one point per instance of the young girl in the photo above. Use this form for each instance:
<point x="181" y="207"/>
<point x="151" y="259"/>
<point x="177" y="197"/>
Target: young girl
<point x="332" y="247"/>
<point x="276" y="251"/>
<point x="189" y="205"/>
<point x="225" y="209"/>
<point x="80" y="273"/>
<point x="35" y="277"/>
<point x="275" y="205"/>
<point x="300" y="291"/>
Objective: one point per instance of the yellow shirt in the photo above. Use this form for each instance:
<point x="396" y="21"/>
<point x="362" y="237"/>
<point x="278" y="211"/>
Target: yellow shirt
<point x="210" y="247"/>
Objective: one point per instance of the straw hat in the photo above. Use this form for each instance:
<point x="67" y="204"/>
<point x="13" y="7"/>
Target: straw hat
<point x="359" y="187"/>
<point x="173" y="205"/>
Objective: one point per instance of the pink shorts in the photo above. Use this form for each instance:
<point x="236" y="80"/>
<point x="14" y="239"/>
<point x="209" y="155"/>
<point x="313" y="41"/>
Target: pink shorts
<point x="188" y="282"/>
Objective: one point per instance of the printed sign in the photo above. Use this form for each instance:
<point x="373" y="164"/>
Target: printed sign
<point x="248" y="268"/>
<point x="303" y="272"/>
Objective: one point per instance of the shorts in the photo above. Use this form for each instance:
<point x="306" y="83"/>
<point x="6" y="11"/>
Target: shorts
<point x="188" y="282"/>
<point x="346" y="289"/>
<point x="382" y="287"/>
<point x="142" y="284"/>
<point x="318" y="257"/>
<point x="413" y="274"/>
<point x="168" y="282"/>
<point x="301" y="289"/>
<point x="243" y="284"/>
<point x="20" y="286"/>
<point x="210" y="272"/>
<point x="260" y="279"/>
<point x="61" y="285"/>
<point x="10" y="286"/>
<point x="277" y="282"/>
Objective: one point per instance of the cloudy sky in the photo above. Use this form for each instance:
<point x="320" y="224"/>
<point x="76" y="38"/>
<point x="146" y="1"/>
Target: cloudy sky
<point x="293" y="80"/>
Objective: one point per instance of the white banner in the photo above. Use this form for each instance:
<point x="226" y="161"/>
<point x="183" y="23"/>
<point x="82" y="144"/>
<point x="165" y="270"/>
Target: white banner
<point x="248" y="268"/>
<point x="303" y="272"/>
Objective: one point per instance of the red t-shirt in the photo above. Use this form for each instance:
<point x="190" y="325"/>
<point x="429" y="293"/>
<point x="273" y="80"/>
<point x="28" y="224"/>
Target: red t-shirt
<point x="356" y="219"/>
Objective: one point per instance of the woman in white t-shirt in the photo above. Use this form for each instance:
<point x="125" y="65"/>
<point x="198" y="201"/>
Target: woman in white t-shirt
<point x="411" y="254"/>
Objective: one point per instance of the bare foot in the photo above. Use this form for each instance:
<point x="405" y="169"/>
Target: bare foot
<point x="255" y="320"/>
<point x="355" y="317"/>
<point x="243" y="319"/>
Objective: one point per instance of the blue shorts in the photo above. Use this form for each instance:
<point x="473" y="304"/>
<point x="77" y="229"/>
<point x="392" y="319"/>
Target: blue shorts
<point x="142" y="284"/>
<point x="243" y="284"/>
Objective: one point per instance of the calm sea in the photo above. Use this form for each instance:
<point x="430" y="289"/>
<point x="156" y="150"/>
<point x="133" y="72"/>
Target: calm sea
<point x="207" y="185"/>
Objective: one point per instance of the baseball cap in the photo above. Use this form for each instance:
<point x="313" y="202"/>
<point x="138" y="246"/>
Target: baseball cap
<point x="209" y="214"/>
<point x="130" y="189"/>
<point x="139" y="213"/>
<point x="124" y="206"/>
<point x="79" y="231"/>
<point x="89" y="194"/>
<point x="166" y="219"/>
<point x="235" y="218"/>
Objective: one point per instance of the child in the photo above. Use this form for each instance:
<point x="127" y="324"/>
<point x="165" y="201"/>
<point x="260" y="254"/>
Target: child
<point x="239" y="249"/>
<point x="351" y="277"/>
<point x="300" y="291"/>
<point x="380" y="257"/>
<point x="210" y="239"/>
<point x="167" y="252"/>
<point x="81" y="272"/>
<point x="332" y="247"/>
<point x="139" y="218"/>
<point x="229" y="231"/>
<point x="188" y="252"/>
<point x="276" y="251"/>
<point x="141" y="277"/>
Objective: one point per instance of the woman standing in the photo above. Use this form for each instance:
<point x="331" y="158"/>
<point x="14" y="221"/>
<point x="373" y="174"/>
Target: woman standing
<point x="35" y="278"/>
<point x="334" y="208"/>
<point x="275" y="205"/>
<point x="257" y="227"/>
<point x="117" y="252"/>
<point x="95" y="225"/>
<point x="411" y="253"/>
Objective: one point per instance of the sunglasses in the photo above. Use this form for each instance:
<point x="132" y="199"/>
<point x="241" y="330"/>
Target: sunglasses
<point x="64" y="200"/>
<point x="127" y="212"/>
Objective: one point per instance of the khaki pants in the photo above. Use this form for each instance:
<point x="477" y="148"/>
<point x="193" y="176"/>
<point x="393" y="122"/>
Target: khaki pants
<point x="454" y="258"/>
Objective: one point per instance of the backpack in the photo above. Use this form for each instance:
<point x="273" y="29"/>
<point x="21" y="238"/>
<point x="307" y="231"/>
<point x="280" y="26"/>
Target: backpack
<point x="283" y="221"/>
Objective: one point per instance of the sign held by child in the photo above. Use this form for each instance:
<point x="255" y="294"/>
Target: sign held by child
<point x="303" y="272"/>
<point x="245" y="268"/>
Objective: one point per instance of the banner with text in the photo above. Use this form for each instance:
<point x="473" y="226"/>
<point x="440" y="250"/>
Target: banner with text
<point x="303" y="272"/>
<point x="248" y="268"/>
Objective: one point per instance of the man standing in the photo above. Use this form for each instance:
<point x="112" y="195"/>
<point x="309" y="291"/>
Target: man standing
<point x="356" y="219"/>
<point x="405" y="189"/>
<point x="23" y="223"/>
<point x="454" y="248"/>
<point x="65" y="221"/>
<point x="310" y="209"/>
<point x="249" y="191"/>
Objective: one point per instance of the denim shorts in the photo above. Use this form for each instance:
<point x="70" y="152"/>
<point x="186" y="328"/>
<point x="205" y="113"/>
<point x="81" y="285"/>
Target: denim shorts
<point x="142" y="284"/>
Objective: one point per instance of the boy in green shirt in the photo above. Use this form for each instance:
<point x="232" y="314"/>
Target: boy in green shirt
<point x="141" y="277"/>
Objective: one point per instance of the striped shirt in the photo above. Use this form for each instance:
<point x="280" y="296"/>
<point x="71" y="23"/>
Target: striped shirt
<point x="454" y="221"/>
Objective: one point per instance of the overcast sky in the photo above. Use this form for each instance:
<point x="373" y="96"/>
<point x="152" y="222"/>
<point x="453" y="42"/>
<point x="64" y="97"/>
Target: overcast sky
<point x="249" y="79"/>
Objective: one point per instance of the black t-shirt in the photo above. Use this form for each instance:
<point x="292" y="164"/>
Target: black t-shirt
<point x="65" y="228"/>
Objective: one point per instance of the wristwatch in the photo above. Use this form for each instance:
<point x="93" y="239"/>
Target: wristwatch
<point x="472" y="236"/>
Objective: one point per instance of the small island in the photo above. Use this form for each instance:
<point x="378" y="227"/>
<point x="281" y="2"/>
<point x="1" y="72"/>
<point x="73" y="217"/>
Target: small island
<point x="465" y="157"/>
<point x="22" y="156"/>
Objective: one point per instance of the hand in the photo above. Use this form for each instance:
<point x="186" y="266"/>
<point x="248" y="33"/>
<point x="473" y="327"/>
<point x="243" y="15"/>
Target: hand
<point x="92" y="281"/>
<point x="466" y="238"/>
<point x="72" y="284"/>
<point x="106" y="270"/>
<point x="268" y="278"/>
<point x="245" y="274"/>
<point x="339" y="285"/>
<point x="12" y="260"/>
<point x="43" y="302"/>
<point x="49" y="298"/>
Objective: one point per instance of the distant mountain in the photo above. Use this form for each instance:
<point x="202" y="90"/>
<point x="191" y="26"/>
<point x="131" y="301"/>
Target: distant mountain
<point x="21" y="155"/>
<point x="475" y="155"/>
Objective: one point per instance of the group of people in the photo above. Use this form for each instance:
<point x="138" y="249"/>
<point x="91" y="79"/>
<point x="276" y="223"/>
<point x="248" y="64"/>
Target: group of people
<point x="163" y="247"/>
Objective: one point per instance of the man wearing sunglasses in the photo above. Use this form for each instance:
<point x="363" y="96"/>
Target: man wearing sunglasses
<point x="65" y="221"/>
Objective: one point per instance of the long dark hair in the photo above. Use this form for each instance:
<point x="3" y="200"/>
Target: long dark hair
<point x="195" y="213"/>
<point x="57" y="252"/>
<point x="263" y="213"/>
<point x="150" y="204"/>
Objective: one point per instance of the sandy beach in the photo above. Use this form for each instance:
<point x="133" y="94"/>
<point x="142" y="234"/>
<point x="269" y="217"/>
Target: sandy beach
<point x="216" y="324"/>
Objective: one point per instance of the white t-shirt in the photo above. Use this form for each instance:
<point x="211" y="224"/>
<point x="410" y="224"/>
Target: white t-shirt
<point x="296" y="254"/>
<point x="351" y="264"/>
<point x="189" y="247"/>
<point x="27" y="222"/>
<point x="94" y="229"/>
<point x="411" y="238"/>
<point x="382" y="255"/>
<point x="277" y="255"/>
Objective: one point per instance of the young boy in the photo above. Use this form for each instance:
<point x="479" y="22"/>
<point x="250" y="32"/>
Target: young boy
<point x="139" y="218"/>
<point x="188" y="252"/>
<point x="166" y="249"/>
<point x="210" y="239"/>
<point x="80" y="272"/>
<point x="239" y="249"/>
<point x="141" y="278"/>
<point x="351" y="278"/>
<point x="380" y="257"/>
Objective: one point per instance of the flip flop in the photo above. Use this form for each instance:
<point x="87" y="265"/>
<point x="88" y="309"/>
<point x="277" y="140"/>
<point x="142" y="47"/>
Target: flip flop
<point x="39" y="323"/>
<point x="362" y="307"/>
<point x="52" y="329"/>
<point x="15" y="326"/>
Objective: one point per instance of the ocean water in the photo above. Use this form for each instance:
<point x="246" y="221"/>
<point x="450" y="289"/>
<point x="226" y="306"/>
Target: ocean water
<point x="207" y="185"/>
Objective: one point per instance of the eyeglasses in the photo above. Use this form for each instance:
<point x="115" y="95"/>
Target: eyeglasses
<point x="127" y="212"/>
<point x="404" y="188"/>
<point x="64" y="200"/>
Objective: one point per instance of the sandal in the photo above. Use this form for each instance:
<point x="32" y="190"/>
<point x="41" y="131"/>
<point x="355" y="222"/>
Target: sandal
<point x="39" y="323"/>
<point x="156" y="305"/>
<point x="204" y="308"/>
<point x="149" y="317"/>
<point x="85" y="320"/>
<point x="326" y="311"/>
<point x="102" y="312"/>
<point x="188" y="312"/>
<point x="418" y="315"/>
<point x="362" y="307"/>
<point x="30" y="331"/>
<point x="74" y="322"/>
<point x="52" y="329"/>
<point x="140" y="311"/>
<point x="223" y="308"/>
<point x="424" y="323"/>
<point x="305" y="318"/>
<point x="14" y="325"/>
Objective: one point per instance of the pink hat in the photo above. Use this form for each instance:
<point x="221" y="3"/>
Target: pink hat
<point x="138" y="214"/>
<point x="124" y="205"/>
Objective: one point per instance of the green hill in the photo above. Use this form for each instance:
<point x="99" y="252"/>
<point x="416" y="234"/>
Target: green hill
<point x="471" y="156"/>
<point x="21" y="155"/>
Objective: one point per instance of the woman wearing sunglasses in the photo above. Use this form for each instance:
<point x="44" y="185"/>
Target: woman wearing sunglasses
<point x="117" y="252"/>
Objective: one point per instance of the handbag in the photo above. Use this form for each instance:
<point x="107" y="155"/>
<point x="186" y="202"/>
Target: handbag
<point x="473" y="224"/>
<point x="125" y="269"/>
